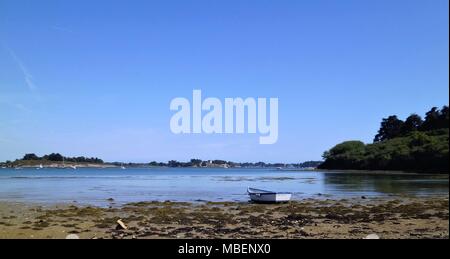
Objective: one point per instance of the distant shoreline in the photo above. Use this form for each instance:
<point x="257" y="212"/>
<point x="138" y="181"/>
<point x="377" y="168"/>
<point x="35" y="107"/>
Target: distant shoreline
<point x="57" y="160"/>
<point x="69" y="165"/>
<point x="107" y="165"/>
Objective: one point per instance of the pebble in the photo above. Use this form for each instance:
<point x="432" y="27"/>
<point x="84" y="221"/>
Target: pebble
<point x="372" y="236"/>
<point x="72" y="236"/>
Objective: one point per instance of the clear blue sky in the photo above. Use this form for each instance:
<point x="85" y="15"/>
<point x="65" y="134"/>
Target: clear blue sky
<point x="96" y="78"/>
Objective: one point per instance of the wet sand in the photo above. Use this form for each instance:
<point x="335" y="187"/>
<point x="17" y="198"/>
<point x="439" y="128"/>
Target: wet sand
<point x="393" y="217"/>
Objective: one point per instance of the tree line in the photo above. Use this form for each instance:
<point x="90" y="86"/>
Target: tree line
<point x="411" y="145"/>
<point x="57" y="157"/>
<point x="393" y="127"/>
<point x="217" y="162"/>
<point x="415" y="144"/>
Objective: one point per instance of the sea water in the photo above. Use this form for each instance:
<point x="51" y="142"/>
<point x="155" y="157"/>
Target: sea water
<point x="98" y="186"/>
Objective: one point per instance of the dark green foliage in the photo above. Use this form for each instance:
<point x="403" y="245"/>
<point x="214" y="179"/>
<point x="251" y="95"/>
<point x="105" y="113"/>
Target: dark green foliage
<point x="413" y="145"/>
<point x="436" y="119"/>
<point x="30" y="157"/>
<point x="56" y="157"/>
<point x="412" y="123"/>
<point x="82" y="159"/>
<point x="196" y="162"/>
<point x="154" y="163"/>
<point x="306" y="164"/>
<point x="390" y="128"/>
<point x="219" y="162"/>
<point x="419" y="151"/>
<point x="173" y="163"/>
<point x="348" y="154"/>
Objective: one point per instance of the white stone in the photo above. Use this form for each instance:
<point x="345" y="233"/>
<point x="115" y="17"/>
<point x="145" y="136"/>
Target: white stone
<point x="72" y="236"/>
<point x="372" y="236"/>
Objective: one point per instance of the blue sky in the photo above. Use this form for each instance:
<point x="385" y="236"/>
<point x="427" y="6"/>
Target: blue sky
<point x="96" y="78"/>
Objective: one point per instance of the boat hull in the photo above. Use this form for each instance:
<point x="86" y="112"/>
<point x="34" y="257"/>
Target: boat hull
<point x="268" y="197"/>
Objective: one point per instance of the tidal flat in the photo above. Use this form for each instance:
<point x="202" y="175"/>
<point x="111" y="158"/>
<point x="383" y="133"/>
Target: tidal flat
<point x="354" y="218"/>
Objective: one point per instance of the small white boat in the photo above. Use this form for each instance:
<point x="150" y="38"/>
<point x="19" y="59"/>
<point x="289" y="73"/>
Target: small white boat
<point x="39" y="167"/>
<point x="73" y="167"/>
<point x="264" y="196"/>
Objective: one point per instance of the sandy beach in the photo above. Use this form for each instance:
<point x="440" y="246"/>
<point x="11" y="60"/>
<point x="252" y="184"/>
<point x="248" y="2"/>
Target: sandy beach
<point x="392" y="217"/>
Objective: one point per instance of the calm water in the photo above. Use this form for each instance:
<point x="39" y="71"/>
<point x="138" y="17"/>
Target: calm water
<point x="95" y="186"/>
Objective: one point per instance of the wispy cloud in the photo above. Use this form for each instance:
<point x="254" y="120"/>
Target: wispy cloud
<point x="9" y="103"/>
<point x="27" y="76"/>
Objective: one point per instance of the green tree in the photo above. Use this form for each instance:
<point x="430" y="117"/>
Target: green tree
<point x="55" y="157"/>
<point x="31" y="156"/>
<point x="436" y="119"/>
<point x="443" y="119"/>
<point x="391" y="127"/>
<point x="420" y="146"/>
<point x="174" y="163"/>
<point x="412" y="123"/>
<point x="347" y="155"/>
<point x="196" y="162"/>
<point x="431" y="119"/>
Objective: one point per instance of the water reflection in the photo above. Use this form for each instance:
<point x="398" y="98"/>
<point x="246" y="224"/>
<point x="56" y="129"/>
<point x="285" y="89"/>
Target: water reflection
<point x="385" y="183"/>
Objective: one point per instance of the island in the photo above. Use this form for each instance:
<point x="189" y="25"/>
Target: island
<point x="56" y="160"/>
<point x="412" y="145"/>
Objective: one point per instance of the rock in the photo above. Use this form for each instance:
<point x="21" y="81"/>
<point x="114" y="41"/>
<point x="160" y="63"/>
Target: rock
<point x="72" y="236"/>
<point x="372" y="236"/>
<point x="121" y="225"/>
<point x="363" y="197"/>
